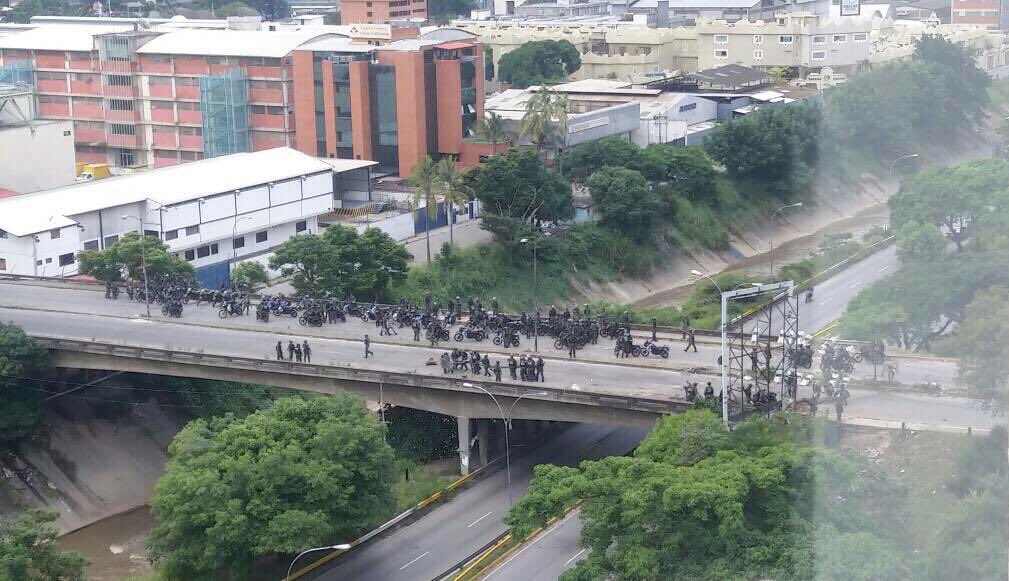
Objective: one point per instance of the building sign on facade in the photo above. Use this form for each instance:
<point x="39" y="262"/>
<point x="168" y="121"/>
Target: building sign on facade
<point x="371" y="31"/>
<point x="851" y="7"/>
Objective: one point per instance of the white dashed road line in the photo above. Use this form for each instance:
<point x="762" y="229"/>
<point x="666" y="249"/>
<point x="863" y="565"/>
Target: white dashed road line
<point x="479" y="519"/>
<point x="415" y="560"/>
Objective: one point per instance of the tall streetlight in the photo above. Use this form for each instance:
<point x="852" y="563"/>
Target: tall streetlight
<point x="771" y="253"/>
<point x="725" y="396"/>
<point x="536" y="293"/>
<point x="507" y="425"/>
<point x="342" y="547"/>
<point x="143" y="260"/>
<point x="903" y="157"/>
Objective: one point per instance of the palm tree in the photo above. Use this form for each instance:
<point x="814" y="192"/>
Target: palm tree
<point x="492" y="128"/>
<point x="425" y="180"/>
<point x="454" y="190"/>
<point x="546" y="118"/>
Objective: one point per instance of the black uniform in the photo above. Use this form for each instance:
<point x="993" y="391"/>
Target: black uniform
<point x="512" y="366"/>
<point x="280" y="351"/>
<point x="539" y="369"/>
<point x="306" y="351"/>
<point x="367" y="347"/>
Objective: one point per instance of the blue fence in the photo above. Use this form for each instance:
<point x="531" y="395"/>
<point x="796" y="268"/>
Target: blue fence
<point x="214" y="275"/>
<point x="420" y="219"/>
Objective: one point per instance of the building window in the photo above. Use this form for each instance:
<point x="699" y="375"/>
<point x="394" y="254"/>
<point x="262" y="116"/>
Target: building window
<point x="119" y="80"/>
<point x="785" y="39"/>
<point x="54" y="234"/>
<point x="238" y="242"/>
<point x="203" y="252"/>
<point x="49" y="261"/>
<point x="688" y="107"/>
<point x="3" y="264"/>
<point x="819" y="55"/>
<point x="214" y="248"/>
<point x="820" y="39"/>
<point x="721" y="54"/>
<point x="91" y="245"/>
<point x="190" y="255"/>
<point x="191" y="230"/>
<point x="151" y="233"/>
<point x="758" y="55"/>
<point x="110" y="240"/>
<point x="758" y="39"/>
<point x="301" y="226"/>
<point x="66" y="259"/>
<point x="3" y="234"/>
<point x="721" y="39"/>
<point x="839" y="38"/>
<point x="126" y="158"/>
<point x="171" y="234"/>
<point x="860" y="37"/>
<point x="261" y="236"/>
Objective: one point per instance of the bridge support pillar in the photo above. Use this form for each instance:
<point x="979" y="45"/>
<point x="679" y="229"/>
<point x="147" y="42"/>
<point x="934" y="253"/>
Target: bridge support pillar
<point x="464" y="440"/>
<point x="483" y="441"/>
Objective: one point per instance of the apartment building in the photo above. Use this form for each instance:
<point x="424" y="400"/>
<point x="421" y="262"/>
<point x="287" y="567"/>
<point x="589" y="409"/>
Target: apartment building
<point x="985" y="13"/>
<point x="382" y="11"/>
<point x="154" y="97"/>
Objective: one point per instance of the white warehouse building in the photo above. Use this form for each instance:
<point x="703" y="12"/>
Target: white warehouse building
<point x="212" y="212"/>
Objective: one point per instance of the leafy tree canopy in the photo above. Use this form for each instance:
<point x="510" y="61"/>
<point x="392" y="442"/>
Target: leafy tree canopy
<point x="28" y="549"/>
<point x="21" y="359"/>
<point x="539" y="62"/>
<point x="249" y="276"/>
<point x="294" y="476"/>
<point x="625" y="199"/>
<point x="341" y="261"/>
<point x="515" y="189"/>
<point x="127" y="256"/>
<point x="697" y="503"/>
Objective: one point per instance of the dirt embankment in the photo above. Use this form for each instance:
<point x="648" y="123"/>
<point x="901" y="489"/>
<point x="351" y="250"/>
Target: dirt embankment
<point x="91" y="468"/>
<point x="831" y="204"/>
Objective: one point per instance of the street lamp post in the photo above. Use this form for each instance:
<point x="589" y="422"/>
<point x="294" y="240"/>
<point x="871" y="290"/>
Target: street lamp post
<point x="507" y="425"/>
<point x="901" y="158"/>
<point x="342" y="547"/>
<point x="536" y="293"/>
<point x="143" y="261"/>
<point x="771" y="253"/>
<point x="725" y="398"/>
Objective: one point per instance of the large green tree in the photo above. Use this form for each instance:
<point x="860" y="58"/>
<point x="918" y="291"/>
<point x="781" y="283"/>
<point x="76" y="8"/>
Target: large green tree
<point x="22" y="360"/>
<point x="539" y="62"/>
<point x="515" y="189"/>
<point x="695" y="503"/>
<point x="625" y="200"/>
<point x="341" y="261"/>
<point x="28" y="549"/>
<point x="127" y="256"/>
<point x="303" y="473"/>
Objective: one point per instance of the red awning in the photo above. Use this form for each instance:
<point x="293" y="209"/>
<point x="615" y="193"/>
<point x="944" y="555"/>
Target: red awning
<point x="454" y="45"/>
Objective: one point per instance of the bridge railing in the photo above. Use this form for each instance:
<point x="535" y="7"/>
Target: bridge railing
<point x="560" y="395"/>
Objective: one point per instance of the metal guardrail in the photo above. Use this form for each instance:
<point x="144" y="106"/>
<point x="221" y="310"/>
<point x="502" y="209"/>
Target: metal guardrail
<point x="560" y="395"/>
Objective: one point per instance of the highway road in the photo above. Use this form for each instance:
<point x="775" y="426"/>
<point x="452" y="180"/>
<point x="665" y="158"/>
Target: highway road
<point x="455" y="530"/>
<point x="547" y="556"/>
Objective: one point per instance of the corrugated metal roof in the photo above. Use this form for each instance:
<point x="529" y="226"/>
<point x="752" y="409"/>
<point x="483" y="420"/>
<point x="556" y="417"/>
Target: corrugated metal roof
<point x="251" y="43"/>
<point x="54" y="37"/>
<point x="31" y="213"/>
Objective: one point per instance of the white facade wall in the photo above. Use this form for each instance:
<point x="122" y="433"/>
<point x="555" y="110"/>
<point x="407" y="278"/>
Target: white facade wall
<point x="40" y="254"/>
<point x="38" y="160"/>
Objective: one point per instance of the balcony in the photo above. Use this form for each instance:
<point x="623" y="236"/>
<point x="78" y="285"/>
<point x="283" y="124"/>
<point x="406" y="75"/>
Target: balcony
<point x="121" y="116"/>
<point x="120" y="91"/>
<point x="54" y="109"/>
<point x="191" y="117"/>
<point x="267" y="121"/>
<point x="163" y="115"/>
<point x="128" y="141"/>
<point x="187" y="92"/>
<point x="166" y="140"/>
<point x="50" y="61"/>
<point x="117" y="67"/>
<point x="52" y="86"/>
<point x="89" y="135"/>
<point x="86" y="87"/>
<point x="88" y="111"/>
<point x="161" y="91"/>
<point x="191" y="66"/>
<point x="192" y="142"/>
<point x="149" y="65"/>
<point x="272" y="96"/>
<point x="265" y="72"/>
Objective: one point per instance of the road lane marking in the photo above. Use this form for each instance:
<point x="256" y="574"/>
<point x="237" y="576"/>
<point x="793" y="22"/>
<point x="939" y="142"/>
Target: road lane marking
<point x="544" y="535"/>
<point x="578" y="554"/>
<point x="825" y="301"/>
<point x="479" y="519"/>
<point x="857" y="282"/>
<point x="415" y="560"/>
<point x="884" y="268"/>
